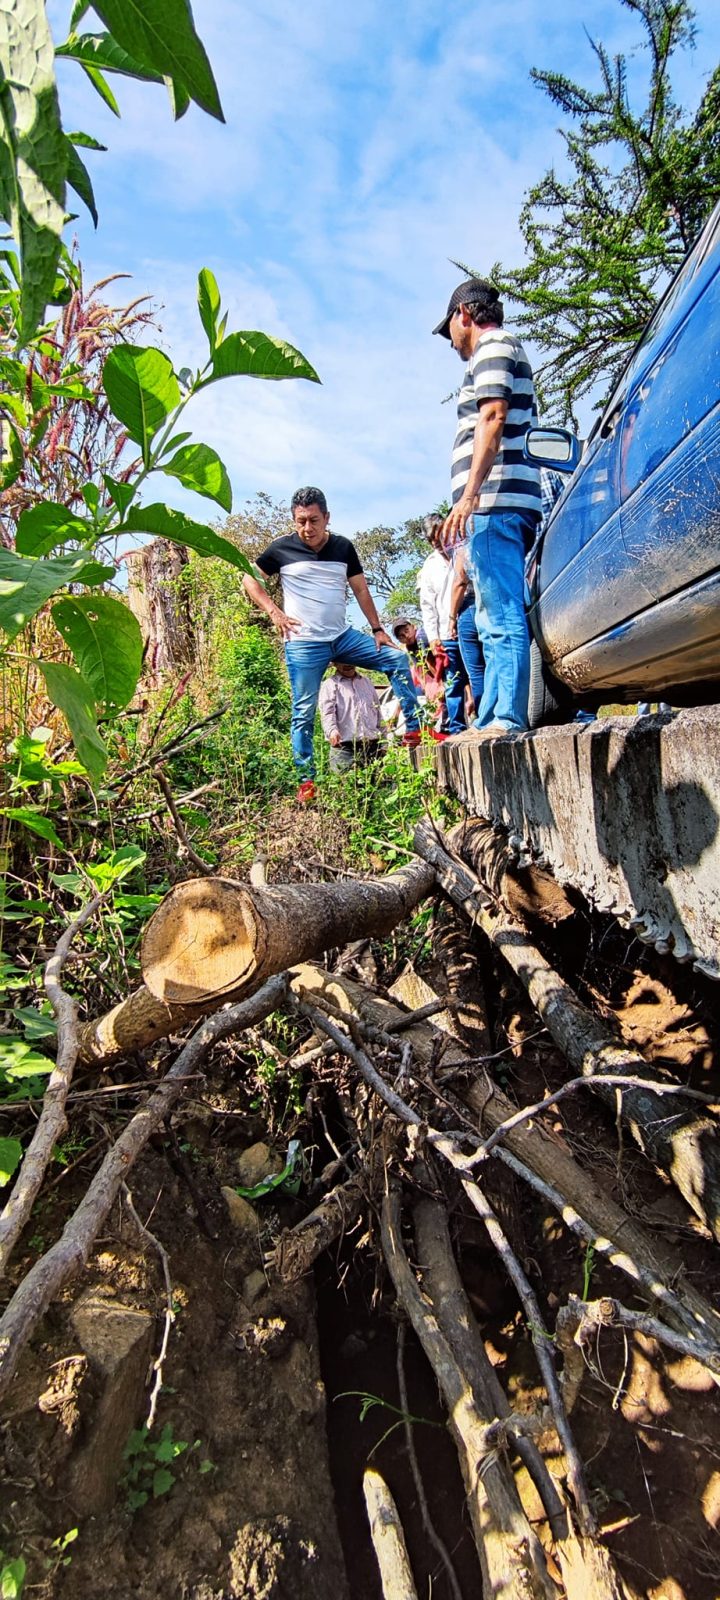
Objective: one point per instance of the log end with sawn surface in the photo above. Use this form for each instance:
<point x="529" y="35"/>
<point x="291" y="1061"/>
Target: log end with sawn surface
<point x="625" y="809"/>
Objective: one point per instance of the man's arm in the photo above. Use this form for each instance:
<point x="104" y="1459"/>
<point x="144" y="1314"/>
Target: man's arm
<point x="260" y="598"/>
<point x="429" y="607"/>
<point x="489" y="430"/>
<point x="459" y="587"/>
<point x="362" y="594"/>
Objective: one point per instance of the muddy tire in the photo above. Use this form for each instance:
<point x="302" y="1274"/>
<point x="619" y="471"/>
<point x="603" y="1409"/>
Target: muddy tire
<point x="548" y="700"/>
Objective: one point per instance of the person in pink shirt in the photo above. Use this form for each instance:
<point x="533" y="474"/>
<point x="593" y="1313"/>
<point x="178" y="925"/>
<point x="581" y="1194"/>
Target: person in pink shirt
<point x="349" y="708"/>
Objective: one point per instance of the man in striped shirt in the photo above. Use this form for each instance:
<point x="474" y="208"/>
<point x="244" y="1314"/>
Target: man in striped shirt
<point x="495" y="494"/>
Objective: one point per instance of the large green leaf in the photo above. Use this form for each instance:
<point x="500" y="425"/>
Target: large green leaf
<point x="164" y="523"/>
<point x="73" y="696"/>
<point x="161" y="34"/>
<point x="101" y="51"/>
<point x="258" y="355"/>
<point x="45" y="526"/>
<point x="142" y="389"/>
<point x="200" y="468"/>
<point x="106" y="642"/>
<point x="26" y="585"/>
<point x="33" y="153"/>
<point x="34" y="819"/>
<point x="79" y="179"/>
<point x="208" y="304"/>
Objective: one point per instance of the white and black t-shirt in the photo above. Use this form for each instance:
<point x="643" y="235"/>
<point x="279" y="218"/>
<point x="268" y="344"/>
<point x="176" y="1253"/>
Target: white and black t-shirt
<point x="313" y="582"/>
<point x="498" y="370"/>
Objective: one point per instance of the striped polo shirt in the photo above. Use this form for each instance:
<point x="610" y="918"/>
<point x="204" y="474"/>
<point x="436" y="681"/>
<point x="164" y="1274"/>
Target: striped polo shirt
<point x="498" y="370"/>
<point x="314" y="582"/>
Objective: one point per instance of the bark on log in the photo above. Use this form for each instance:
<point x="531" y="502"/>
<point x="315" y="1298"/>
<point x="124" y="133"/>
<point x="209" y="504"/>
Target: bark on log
<point x="299" y="1247"/>
<point x="133" y="1025"/>
<point x="528" y="891"/>
<point x="511" y="1557"/>
<point x="622" y="1241"/>
<point x="211" y="937"/>
<point x="388" y="1539"/>
<point x="668" y="1128"/>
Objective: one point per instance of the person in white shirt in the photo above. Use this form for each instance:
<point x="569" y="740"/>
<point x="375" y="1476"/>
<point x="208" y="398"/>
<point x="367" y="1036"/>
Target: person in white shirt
<point x="349" y="708"/>
<point x="435" y="586"/>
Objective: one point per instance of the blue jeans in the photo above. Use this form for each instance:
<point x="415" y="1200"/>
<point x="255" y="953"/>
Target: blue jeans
<point x="471" y="652"/>
<point x="454" y="684"/>
<point x="496" y="559"/>
<point x="307" y="661"/>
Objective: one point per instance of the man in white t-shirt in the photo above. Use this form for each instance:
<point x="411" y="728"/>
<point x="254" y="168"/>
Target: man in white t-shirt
<point x="316" y="567"/>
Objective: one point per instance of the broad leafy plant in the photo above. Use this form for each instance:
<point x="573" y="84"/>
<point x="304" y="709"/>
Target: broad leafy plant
<point x="63" y="553"/>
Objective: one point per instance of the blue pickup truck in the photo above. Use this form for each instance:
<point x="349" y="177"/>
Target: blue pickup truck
<point x="625" y="582"/>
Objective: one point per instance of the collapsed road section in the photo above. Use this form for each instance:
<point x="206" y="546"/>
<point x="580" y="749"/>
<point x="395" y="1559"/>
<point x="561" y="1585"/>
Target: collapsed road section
<point x="624" y="809"/>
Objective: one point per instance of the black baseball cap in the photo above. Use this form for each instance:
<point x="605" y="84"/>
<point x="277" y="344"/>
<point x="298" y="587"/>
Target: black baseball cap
<point x="467" y="294"/>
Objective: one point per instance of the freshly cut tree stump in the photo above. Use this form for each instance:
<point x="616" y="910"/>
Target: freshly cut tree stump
<point x="212" y="937"/>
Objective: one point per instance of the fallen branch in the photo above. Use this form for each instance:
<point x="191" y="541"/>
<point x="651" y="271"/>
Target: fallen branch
<point x="52" y="1271"/>
<point x="446" y="1146"/>
<point x="396" y="1579"/>
<point x="186" y="846"/>
<point x="299" y="1247"/>
<point x="431" y="1532"/>
<point x="667" y="1127"/>
<point x="510" y="1553"/>
<point x="545" y="1159"/>
<point x="527" y="891"/>
<point x="53" y="1121"/>
<point x="591" y="1315"/>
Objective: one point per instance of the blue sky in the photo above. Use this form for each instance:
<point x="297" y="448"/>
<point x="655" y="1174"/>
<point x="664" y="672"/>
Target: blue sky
<point x="363" y="147"/>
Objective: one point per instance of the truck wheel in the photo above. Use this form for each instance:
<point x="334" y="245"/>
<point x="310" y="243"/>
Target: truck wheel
<point x="548" y="700"/>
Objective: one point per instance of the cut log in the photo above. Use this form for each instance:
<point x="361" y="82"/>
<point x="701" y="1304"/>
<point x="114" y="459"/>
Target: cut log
<point x="527" y="891"/>
<point x="653" y="1265"/>
<point x="388" y="1539"/>
<point x="670" y="1130"/>
<point x="211" y="937"/>
<point x="133" y="1025"/>
<point x="510" y="1553"/>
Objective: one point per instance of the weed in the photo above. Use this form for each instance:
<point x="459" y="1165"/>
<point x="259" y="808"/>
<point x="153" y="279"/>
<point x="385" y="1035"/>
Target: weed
<point x="588" y="1267"/>
<point x="12" y="1576"/>
<point x="149" y="1472"/>
<point x="368" y="1403"/>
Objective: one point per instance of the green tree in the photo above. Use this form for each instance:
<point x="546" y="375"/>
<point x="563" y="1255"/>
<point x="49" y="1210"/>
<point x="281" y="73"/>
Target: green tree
<point x="392" y="558"/>
<point x="605" y="231"/>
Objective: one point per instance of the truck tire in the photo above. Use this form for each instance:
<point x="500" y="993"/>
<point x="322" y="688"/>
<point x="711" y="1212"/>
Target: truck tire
<point x="548" y="700"/>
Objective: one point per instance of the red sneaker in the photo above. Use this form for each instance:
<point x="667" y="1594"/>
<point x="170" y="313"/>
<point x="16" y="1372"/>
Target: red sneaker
<point x="411" y="738"/>
<point x="306" y="792"/>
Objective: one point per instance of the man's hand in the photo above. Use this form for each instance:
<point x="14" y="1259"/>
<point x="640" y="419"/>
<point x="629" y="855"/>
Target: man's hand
<point x="382" y="638"/>
<point x="334" y="739"/>
<point x="454" y="526"/>
<point x="286" y="626"/>
<point x="452" y="628"/>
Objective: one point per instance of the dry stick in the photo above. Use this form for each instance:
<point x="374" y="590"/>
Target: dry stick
<point x="169" y="1313"/>
<point x="668" y="1130"/>
<point x="52" y="1121"/>
<point x="427" y="1522"/>
<point x="608" y="1313"/>
<point x="511" y="1557"/>
<point x="619" y="1080"/>
<point x="72" y="1249"/>
<point x="444" y="1143"/>
<point x="396" y="1579"/>
<point x="186" y="848"/>
<point x="694" y="1345"/>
